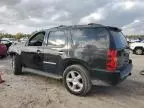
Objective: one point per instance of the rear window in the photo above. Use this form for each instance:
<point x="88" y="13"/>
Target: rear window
<point x="90" y="37"/>
<point x="119" y="39"/>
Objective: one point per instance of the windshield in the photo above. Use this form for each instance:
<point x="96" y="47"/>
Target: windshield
<point x="119" y="38"/>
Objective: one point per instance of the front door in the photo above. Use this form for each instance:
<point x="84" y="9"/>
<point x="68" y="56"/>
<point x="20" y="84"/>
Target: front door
<point x="32" y="53"/>
<point x="54" y="51"/>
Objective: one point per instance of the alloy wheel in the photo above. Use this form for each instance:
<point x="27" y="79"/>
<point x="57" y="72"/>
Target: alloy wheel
<point x="74" y="81"/>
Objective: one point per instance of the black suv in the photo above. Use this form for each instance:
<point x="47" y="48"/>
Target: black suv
<point x="78" y="54"/>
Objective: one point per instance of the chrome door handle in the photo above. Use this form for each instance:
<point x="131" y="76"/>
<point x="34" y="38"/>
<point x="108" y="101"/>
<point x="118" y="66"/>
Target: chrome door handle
<point x="38" y="51"/>
<point x="60" y="52"/>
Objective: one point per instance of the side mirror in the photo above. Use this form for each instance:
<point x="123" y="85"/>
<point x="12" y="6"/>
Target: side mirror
<point x="27" y="43"/>
<point x="128" y="47"/>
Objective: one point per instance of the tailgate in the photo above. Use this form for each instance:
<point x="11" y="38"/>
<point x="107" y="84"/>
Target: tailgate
<point x="121" y="45"/>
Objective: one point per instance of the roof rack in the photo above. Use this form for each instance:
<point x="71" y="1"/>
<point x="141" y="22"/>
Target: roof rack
<point x="73" y="26"/>
<point x="93" y="24"/>
<point x="62" y="26"/>
<point x="59" y="26"/>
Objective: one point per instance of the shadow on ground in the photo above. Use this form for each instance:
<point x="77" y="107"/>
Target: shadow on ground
<point x="45" y="78"/>
<point x="126" y="88"/>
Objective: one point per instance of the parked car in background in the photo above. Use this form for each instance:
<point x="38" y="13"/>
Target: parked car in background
<point x="3" y="50"/>
<point x="142" y="41"/>
<point x="137" y="48"/>
<point x="78" y="54"/>
<point x="9" y="39"/>
<point x="12" y="40"/>
<point x="24" y="39"/>
<point x="129" y="40"/>
<point x="6" y="42"/>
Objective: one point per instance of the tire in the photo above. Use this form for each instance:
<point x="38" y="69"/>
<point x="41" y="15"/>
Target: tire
<point x="81" y="82"/>
<point x="142" y="72"/>
<point x="3" y="56"/>
<point x="139" y="51"/>
<point x="16" y="65"/>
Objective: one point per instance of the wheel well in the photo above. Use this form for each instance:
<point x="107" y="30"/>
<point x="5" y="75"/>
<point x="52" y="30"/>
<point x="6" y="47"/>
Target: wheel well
<point x="13" y="53"/>
<point x="69" y="63"/>
<point x="138" y="48"/>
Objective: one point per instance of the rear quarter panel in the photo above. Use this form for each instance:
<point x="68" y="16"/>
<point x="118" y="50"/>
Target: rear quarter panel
<point x="95" y="58"/>
<point x="91" y="47"/>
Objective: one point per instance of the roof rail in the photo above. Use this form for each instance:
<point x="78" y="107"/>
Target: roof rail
<point x="62" y="26"/>
<point x="59" y="26"/>
<point x="91" y="23"/>
<point x="95" y="24"/>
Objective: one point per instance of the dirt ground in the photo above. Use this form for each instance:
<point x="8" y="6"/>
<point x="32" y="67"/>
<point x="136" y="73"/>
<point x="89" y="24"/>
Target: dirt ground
<point x="33" y="91"/>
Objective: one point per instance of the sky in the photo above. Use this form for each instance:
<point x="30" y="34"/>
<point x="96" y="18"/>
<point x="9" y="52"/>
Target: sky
<point x="27" y="16"/>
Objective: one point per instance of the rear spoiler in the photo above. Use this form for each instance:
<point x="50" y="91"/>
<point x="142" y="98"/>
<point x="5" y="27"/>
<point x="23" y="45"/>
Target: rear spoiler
<point x="114" y="28"/>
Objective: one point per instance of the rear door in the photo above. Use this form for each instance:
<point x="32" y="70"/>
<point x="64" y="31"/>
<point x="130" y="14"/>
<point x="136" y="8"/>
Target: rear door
<point x="121" y="46"/>
<point x="55" y="51"/>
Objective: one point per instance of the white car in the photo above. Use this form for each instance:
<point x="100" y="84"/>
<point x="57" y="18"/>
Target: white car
<point x="137" y="48"/>
<point x="12" y="40"/>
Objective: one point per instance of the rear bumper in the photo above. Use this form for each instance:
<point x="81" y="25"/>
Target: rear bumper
<point x="111" y="77"/>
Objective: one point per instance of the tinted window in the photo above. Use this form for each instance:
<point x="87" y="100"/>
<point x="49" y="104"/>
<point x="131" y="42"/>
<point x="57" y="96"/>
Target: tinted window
<point x="119" y="38"/>
<point x="57" y="38"/>
<point x="95" y="37"/>
<point x="37" y="39"/>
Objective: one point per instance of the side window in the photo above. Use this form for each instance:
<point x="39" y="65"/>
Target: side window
<point x="90" y="37"/>
<point x="37" y="39"/>
<point x="57" y="38"/>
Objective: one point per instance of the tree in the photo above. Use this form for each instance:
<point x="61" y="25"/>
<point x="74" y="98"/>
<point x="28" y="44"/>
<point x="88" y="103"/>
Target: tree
<point x="18" y="35"/>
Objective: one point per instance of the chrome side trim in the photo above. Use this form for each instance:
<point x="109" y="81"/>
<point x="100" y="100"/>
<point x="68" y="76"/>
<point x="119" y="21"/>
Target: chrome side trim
<point x="49" y="62"/>
<point x="24" y="69"/>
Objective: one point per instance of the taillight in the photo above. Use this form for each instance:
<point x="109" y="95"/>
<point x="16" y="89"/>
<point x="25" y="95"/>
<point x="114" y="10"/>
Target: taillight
<point x="111" y="64"/>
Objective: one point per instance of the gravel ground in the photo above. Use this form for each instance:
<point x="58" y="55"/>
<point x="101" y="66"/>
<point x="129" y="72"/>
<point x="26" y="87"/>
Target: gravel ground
<point x="33" y="91"/>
